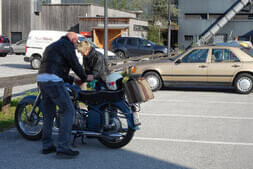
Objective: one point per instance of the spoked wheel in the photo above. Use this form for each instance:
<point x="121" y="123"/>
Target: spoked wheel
<point x="120" y="126"/>
<point x="28" y="123"/>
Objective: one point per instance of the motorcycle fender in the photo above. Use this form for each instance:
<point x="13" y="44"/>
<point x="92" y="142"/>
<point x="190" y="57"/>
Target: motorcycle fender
<point x="124" y="107"/>
<point x="31" y="98"/>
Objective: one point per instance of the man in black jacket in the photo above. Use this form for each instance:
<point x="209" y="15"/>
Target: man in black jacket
<point x="58" y="59"/>
<point x="94" y="63"/>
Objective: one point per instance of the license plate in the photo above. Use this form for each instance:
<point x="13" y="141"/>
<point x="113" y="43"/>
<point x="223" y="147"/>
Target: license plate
<point x="136" y="119"/>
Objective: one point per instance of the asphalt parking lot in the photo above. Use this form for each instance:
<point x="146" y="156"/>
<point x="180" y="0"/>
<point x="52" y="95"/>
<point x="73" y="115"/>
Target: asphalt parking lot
<point x="14" y="65"/>
<point x="182" y="128"/>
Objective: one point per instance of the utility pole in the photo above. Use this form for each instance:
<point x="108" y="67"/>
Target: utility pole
<point x="105" y="29"/>
<point x="169" y="29"/>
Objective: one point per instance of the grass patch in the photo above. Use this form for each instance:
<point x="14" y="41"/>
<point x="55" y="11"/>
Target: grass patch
<point x="7" y="120"/>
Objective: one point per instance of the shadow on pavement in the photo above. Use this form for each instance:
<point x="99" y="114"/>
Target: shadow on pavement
<point x="25" y="154"/>
<point x="228" y="90"/>
<point x="18" y="66"/>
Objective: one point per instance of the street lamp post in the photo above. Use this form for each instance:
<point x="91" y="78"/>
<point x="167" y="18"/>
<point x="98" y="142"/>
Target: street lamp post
<point x="169" y="29"/>
<point x="105" y="29"/>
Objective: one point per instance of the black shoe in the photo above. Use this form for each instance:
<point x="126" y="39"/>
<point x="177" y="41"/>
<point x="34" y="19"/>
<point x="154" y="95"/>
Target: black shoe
<point x="68" y="154"/>
<point x="49" y="150"/>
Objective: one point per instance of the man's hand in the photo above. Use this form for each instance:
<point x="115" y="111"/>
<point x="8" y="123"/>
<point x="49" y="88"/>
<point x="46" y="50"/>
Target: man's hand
<point x="90" y="78"/>
<point x="77" y="81"/>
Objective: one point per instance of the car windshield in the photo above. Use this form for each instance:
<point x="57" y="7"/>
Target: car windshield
<point x="178" y="56"/>
<point x="83" y="38"/>
<point x="249" y="51"/>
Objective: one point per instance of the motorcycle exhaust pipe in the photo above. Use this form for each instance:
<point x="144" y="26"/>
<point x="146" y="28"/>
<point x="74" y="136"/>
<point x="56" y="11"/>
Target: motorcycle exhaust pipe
<point x="97" y="134"/>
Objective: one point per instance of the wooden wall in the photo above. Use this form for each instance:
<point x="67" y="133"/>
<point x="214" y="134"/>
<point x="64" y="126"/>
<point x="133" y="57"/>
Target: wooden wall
<point x="16" y="17"/>
<point x="63" y="17"/>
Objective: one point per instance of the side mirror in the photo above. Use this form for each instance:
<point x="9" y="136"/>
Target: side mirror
<point x="178" y="61"/>
<point x="148" y="45"/>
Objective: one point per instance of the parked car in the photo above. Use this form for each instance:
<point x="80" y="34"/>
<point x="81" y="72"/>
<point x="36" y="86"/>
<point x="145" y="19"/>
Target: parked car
<point x="38" y="40"/>
<point x="18" y="48"/>
<point x="126" y="47"/>
<point x="206" y="65"/>
<point x="4" y="45"/>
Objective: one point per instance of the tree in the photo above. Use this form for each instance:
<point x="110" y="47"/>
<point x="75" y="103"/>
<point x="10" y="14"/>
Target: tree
<point x="160" y="11"/>
<point x="153" y="35"/>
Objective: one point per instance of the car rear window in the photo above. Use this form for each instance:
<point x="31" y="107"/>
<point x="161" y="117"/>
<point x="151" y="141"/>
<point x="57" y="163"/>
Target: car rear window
<point x="4" y="39"/>
<point x="249" y="51"/>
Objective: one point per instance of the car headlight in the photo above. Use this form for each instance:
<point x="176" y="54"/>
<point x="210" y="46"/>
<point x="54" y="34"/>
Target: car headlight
<point x="133" y="69"/>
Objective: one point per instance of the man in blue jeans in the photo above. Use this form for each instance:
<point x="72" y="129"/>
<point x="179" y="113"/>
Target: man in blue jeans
<point x="58" y="58"/>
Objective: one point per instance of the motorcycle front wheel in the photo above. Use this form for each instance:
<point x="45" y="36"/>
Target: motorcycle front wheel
<point x="29" y="124"/>
<point x="122" y="128"/>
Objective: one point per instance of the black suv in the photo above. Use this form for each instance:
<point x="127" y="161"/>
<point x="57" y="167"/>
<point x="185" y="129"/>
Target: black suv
<point x="126" y="47"/>
<point x="4" y="45"/>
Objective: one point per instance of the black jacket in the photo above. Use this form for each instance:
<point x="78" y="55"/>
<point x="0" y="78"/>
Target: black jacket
<point x="95" y="64"/>
<point x="59" y="57"/>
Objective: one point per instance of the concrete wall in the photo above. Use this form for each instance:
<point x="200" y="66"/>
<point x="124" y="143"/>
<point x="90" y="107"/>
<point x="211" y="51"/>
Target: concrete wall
<point x="132" y="32"/>
<point x="196" y="26"/>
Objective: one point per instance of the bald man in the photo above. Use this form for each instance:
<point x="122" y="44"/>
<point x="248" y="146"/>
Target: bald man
<point x="58" y="58"/>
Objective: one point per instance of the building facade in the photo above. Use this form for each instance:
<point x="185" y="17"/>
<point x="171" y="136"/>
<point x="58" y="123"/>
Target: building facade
<point x="20" y="17"/>
<point x="197" y="16"/>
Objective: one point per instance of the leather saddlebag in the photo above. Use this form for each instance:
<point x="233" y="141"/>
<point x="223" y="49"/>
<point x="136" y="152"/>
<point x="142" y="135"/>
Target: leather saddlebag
<point x="138" y="90"/>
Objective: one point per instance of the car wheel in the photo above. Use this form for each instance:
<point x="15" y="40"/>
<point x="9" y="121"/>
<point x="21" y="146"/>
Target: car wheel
<point x="121" y="54"/>
<point x="243" y="83"/>
<point x="3" y="54"/>
<point x="35" y="63"/>
<point x="154" y="80"/>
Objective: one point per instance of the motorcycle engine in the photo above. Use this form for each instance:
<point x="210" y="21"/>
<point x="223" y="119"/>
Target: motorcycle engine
<point x="80" y="120"/>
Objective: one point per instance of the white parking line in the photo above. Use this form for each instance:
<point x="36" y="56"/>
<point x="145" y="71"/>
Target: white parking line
<point x="193" y="141"/>
<point x="196" y="116"/>
<point x="200" y="102"/>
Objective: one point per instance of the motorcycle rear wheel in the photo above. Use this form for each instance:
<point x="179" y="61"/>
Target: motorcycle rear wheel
<point x="30" y="129"/>
<point x="127" y="135"/>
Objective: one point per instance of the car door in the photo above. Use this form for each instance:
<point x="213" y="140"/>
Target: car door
<point x="132" y="47"/>
<point x="224" y="64"/>
<point x="192" y="67"/>
<point x="145" y="47"/>
<point x="20" y="47"/>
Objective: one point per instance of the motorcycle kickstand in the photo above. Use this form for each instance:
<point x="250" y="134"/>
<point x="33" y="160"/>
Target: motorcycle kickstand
<point x="74" y="140"/>
<point x="83" y="139"/>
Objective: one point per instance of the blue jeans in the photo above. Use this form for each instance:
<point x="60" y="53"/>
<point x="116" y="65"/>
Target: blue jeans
<point x="55" y="94"/>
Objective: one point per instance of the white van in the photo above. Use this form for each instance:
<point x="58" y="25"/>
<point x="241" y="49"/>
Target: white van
<point x="38" y="40"/>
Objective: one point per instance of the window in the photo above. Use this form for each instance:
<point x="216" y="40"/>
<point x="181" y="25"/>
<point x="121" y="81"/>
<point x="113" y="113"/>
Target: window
<point x="140" y="28"/>
<point x="143" y="43"/>
<point x="223" y="55"/>
<point x="249" y="51"/>
<point x="132" y="42"/>
<point x="121" y="41"/>
<point x="188" y="37"/>
<point x="16" y="36"/>
<point x="196" y="56"/>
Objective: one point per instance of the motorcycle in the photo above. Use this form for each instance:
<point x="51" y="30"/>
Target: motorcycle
<point x="104" y="114"/>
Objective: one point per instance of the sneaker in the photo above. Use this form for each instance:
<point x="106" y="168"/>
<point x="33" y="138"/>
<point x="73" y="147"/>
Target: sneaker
<point x="69" y="153"/>
<point x="49" y="150"/>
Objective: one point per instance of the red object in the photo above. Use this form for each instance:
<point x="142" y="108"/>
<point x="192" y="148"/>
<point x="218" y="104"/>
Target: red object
<point x="1" y="40"/>
<point x="25" y="49"/>
<point x="86" y="34"/>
